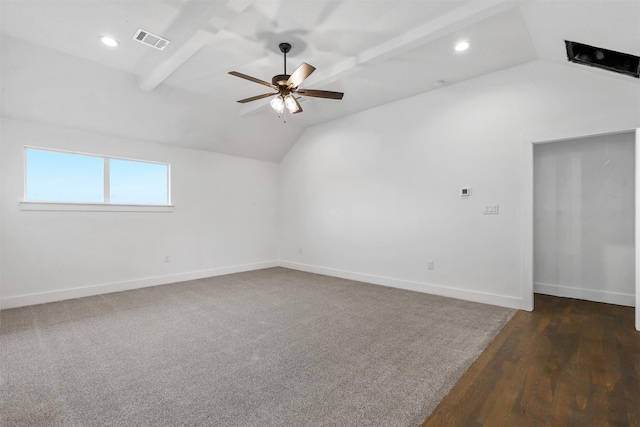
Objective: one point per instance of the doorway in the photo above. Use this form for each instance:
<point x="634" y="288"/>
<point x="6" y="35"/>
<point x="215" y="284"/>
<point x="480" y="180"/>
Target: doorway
<point x="582" y="241"/>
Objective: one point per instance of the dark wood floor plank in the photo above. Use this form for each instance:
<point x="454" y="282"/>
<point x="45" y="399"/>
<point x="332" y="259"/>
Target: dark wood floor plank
<point x="567" y="363"/>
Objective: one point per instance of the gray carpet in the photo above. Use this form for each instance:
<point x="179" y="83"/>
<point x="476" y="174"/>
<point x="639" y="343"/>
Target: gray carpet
<point x="274" y="347"/>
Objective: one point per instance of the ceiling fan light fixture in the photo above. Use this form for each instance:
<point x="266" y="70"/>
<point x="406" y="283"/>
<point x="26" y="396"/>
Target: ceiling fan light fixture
<point x="290" y="103"/>
<point x="277" y="103"/>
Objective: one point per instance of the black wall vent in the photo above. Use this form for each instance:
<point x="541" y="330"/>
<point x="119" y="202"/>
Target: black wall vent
<point x="606" y="59"/>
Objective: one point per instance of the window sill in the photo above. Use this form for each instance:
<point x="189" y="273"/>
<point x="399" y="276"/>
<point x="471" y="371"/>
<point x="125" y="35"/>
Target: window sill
<point x="92" y="207"/>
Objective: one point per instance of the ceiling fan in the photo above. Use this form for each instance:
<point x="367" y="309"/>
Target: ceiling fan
<point x="287" y="86"/>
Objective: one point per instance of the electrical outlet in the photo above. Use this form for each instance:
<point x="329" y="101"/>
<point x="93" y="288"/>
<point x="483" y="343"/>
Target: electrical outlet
<point x="167" y="258"/>
<point x="300" y="250"/>
<point x="430" y="264"/>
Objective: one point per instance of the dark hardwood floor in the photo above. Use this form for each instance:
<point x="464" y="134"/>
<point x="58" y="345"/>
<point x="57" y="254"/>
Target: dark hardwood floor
<point x="567" y="363"/>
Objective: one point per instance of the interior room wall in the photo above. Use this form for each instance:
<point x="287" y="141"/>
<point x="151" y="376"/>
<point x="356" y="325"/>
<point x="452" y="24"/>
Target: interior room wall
<point x="224" y="221"/>
<point x="376" y="196"/>
<point x="584" y="216"/>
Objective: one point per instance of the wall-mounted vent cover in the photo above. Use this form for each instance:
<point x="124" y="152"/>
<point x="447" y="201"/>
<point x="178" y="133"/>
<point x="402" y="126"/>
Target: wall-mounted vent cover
<point x="150" y="39"/>
<point x="606" y="59"/>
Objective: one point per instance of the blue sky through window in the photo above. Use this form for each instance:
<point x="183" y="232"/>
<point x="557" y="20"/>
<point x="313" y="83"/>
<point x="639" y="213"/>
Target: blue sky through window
<point x="138" y="182"/>
<point x="63" y="177"/>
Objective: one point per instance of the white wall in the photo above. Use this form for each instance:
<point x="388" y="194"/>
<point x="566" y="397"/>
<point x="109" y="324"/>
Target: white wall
<point x="584" y="216"/>
<point x="374" y="196"/>
<point x="371" y="196"/>
<point x="224" y="221"/>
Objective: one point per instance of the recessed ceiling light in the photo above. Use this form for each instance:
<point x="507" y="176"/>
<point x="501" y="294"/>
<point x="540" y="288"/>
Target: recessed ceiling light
<point x="463" y="45"/>
<point x="109" y="41"/>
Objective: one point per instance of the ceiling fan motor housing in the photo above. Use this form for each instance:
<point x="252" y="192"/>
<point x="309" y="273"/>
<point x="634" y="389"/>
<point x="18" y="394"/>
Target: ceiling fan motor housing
<point x="280" y="79"/>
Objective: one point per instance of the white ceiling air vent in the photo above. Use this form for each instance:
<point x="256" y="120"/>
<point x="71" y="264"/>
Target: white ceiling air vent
<point x="150" y="39"/>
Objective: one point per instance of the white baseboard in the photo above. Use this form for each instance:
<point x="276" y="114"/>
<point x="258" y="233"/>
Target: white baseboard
<point x="464" y="294"/>
<point x="64" y="294"/>
<point x="85" y="291"/>
<point x="585" y="294"/>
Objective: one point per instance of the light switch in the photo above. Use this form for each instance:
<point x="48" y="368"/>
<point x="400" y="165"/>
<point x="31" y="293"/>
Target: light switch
<point x="491" y="209"/>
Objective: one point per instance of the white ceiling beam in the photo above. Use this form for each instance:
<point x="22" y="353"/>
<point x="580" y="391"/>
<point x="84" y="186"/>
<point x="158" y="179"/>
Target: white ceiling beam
<point x="196" y="26"/>
<point x="473" y="12"/>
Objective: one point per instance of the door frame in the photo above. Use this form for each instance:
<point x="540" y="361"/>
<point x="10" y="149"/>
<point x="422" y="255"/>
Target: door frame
<point x="527" y="215"/>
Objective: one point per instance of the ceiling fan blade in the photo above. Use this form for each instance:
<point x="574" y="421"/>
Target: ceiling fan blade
<point x="301" y="73"/>
<point x="320" y="93"/>
<point x="253" y="79"/>
<point x="255" y="98"/>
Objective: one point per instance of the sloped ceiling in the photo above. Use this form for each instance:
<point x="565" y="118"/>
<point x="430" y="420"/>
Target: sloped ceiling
<point x="55" y="70"/>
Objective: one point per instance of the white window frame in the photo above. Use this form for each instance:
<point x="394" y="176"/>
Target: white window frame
<point x="106" y="205"/>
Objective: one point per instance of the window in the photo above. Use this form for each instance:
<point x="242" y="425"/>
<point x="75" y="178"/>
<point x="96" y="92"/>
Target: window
<point x="132" y="182"/>
<point x="62" y="177"/>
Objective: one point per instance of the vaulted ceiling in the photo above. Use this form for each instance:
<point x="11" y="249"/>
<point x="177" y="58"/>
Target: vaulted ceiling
<point x="55" y="70"/>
